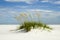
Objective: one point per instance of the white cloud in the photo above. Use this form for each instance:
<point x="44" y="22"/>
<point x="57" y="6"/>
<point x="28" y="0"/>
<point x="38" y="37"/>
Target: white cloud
<point x="57" y="2"/>
<point x="40" y="10"/>
<point x="33" y="1"/>
<point x="26" y="1"/>
<point x="21" y="7"/>
<point x="44" y="13"/>
<point x="51" y="15"/>
<point x="8" y="11"/>
<point x="45" y="1"/>
<point x="51" y="1"/>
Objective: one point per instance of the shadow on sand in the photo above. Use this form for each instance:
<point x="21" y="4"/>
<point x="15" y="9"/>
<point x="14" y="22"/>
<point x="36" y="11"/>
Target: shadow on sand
<point x="18" y="31"/>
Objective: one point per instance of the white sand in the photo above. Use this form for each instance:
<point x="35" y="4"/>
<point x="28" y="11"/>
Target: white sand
<point x="6" y="34"/>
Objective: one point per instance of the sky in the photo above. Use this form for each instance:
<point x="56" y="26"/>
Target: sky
<point x="49" y="10"/>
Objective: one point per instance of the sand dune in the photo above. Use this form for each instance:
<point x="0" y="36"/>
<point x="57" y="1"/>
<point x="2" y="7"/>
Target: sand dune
<point x="36" y="34"/>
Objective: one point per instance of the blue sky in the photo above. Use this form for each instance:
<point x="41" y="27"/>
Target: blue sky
<point x="50" y="10"/>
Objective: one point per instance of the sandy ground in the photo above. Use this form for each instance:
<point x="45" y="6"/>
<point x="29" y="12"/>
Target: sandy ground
<point x="6" y="34"/>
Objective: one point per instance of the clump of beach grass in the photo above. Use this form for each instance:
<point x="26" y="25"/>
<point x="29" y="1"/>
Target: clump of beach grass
<point x="28" y="25"/>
